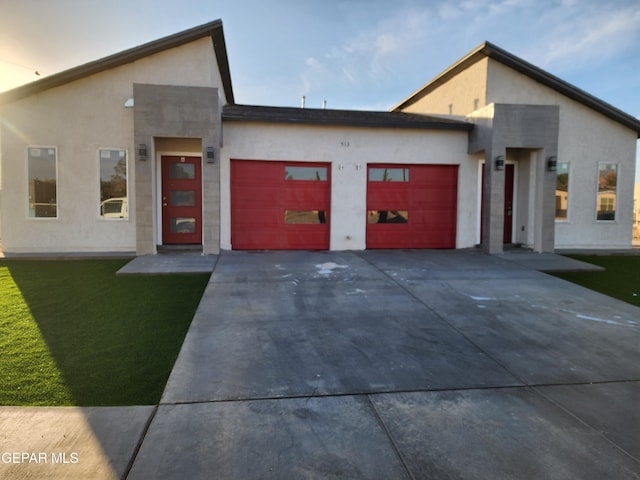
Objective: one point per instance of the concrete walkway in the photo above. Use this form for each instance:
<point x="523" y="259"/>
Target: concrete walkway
<point x="376" y="364"/>
<point x="169" y="264"/>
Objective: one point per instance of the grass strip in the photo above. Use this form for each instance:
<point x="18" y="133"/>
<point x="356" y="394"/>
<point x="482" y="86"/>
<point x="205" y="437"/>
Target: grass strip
<point x="620" y="279"/>
<point x="74" y="333"/>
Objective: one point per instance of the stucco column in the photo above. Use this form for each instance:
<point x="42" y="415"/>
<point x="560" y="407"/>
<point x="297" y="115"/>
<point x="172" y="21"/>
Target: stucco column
<point x="493" y="202"/>
<point x="545" y="203"/>
<point x="145" y="243"/>
<point x="211" y="196"/>
<point x="166" y="111"/>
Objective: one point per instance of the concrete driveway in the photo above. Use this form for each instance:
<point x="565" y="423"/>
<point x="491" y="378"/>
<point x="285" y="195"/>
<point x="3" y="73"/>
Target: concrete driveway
<point x="398" y="364"/>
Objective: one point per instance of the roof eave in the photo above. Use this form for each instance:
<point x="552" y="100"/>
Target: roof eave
<point x="346" y="123"/>
<point x="492" y="51"/>
<point x="472" y="57"/>
<point x="561" y="86"/>
<point x="212" y="29"/>
<point x="293" y="116"/>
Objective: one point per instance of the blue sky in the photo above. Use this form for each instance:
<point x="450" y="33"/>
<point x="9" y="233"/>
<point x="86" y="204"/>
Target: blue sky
<point x="357" y="54"/>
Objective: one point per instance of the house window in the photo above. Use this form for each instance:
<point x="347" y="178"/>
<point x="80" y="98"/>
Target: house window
<point x="607" y="191"/>
<point x="562" y="191"/>
<point x="305" y="173"/>
<point x="388" y="216"/>
<point x="113" y="184"/>
<point x="42" y="175"/>
<point x="304" y="216"/>
<point x="388" y="174"/>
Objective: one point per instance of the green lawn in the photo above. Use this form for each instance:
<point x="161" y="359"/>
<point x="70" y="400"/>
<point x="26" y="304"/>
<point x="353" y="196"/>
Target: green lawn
<point x="74" y="333"/>
<point x="621" y="279"/>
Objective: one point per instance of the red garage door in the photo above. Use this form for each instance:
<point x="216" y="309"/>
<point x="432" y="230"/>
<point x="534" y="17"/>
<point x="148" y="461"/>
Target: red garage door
<point x="279" y="205"/>
<point x="412" y="206"/>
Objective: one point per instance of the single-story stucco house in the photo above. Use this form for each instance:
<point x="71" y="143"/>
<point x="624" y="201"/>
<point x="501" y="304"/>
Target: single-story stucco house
<point x="147" y="148"/>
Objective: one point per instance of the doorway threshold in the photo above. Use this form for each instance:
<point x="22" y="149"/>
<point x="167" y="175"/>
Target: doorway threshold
<point x="179" y="249"/>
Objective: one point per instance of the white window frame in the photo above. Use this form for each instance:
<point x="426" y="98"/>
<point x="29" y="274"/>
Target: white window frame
<point x="568" y="217"/>
<point x="597" y="206"/>
<point x="27" y="178"/>
<point x="126" y="153"/>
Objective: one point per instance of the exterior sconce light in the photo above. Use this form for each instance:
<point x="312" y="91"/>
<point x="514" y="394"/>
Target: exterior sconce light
<point x="552" y="164"/>
<point x="129" y="103"/>
<point x="500" y="162"/>
<point x="211" y="156"/>
<point x="142" y="152"/>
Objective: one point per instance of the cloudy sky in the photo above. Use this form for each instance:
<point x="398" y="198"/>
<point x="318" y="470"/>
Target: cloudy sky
<point x="358" y="54"/>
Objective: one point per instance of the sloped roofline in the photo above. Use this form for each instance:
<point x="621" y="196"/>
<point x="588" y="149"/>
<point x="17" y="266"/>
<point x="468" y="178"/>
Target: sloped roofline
<point x="211" y="29"/>
<point x="494" y="52"/>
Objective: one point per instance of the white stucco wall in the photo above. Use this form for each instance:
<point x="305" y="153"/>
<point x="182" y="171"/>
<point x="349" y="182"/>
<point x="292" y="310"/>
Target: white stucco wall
<point x="349" y="150"/>
<point x="78" y="118"/>
<point x="586" y="138"/>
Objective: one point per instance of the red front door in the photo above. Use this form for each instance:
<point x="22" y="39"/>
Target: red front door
<point x="508" y="203"/>
<point x="181" y="200"/>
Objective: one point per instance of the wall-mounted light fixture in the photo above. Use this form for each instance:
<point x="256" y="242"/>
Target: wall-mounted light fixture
<point x="129" y="103"/>
<point x="499" y="162"/>
<point x="552" y="164"/>
<point x="211" y="156"/>
<point x="142" y="152"/>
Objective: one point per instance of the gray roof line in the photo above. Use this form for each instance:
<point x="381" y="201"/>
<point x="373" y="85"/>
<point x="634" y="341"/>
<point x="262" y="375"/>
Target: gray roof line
<point x="330" y="117"/>
<point x="212" y="29"/>
<point x="494" y="52"/>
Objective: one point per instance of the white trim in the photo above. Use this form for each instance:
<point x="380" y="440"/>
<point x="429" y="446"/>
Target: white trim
<point x="514" y="207"/>
<point x="569" y="189"/>
<point x="481" y="162"/>
<point x="26" y="166"/>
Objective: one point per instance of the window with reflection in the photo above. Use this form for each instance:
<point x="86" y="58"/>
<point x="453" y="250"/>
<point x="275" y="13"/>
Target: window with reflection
<point x="305" y="173"/>
<point x="607" y="191"/>
<point x="42" y="177"/>
<point x="304" y="216"/>
<point x="562" y="191"/>
<point x="183" y="225"/>
<point x="182" y="171"/>
<point x="388" y="216"/>
<point x="182" y="198"/>
<point x="113" y="184"/>
<point x="388" y="174"/>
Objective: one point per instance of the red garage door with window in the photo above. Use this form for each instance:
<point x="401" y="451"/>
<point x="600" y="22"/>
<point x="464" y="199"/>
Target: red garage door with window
<point x="279" y="205"/>
<point x="412" y="206"/>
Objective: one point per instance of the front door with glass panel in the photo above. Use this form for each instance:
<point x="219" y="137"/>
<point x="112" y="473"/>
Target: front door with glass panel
<point x="181" y="200"/>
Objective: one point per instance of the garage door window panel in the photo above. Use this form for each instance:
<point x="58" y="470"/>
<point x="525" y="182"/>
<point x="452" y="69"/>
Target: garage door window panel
<point x="391" y="217"/>
<point x="305" y="217"/>
<point x="316" y="174"/>
<point x="388" y="174"/>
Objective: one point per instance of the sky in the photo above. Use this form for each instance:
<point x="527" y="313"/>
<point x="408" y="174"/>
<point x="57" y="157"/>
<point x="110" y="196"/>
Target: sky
<point x="355" y="54"/>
